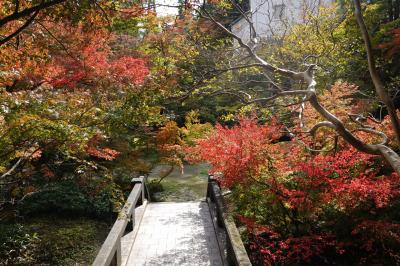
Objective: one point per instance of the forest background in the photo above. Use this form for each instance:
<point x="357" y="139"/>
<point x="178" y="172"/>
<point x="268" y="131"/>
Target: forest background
<point x="94" y="93"/>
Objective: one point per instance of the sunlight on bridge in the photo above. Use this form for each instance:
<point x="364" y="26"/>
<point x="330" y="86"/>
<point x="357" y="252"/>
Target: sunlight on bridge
<point x="176" y="234"/>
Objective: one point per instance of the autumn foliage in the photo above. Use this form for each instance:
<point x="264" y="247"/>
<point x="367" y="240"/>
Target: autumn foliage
<point x="239" y="151"/>
<point x="66" y="88"/>
<point x="392" y="47"/>
<point x="304" y="208"/>
<point x="92" y="149"/>
<point x="169" y="144"/>
<point x="90" y="61"/>
<point x="88" y="86"/>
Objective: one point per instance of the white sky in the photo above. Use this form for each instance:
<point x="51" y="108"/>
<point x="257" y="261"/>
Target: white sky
<point x="164" y="10"/>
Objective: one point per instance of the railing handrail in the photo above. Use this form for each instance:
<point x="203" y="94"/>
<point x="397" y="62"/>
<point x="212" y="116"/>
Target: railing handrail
<point x="110" y="251"/>
<point x="236" y="252"/>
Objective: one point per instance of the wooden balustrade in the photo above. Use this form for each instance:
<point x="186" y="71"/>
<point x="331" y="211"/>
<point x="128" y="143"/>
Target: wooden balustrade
<point x="110" y="252"/>
<point x="236" y="252"/>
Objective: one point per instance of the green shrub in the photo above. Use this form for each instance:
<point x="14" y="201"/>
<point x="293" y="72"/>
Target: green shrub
<point x="66" y="198"/>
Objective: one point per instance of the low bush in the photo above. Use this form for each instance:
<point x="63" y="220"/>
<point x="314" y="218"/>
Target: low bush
<point x="66" y="197"/>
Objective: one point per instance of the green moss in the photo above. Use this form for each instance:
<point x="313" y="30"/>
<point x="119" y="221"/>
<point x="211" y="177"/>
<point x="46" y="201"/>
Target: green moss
<point x="69" y="242"/>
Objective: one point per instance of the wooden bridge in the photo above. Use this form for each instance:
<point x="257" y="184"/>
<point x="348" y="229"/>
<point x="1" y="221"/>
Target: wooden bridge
<point x="187" y="233"/>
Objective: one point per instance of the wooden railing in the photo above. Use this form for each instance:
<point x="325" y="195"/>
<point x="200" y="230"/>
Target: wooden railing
<point x="236" y="252"/>
<point x="110" y="252"/>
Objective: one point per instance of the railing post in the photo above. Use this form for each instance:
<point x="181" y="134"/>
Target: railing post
<point x="116" y="261"/>
<point x="214" y="193"/>
<point x="140" y="180"/>
<point x="209" y="187"/>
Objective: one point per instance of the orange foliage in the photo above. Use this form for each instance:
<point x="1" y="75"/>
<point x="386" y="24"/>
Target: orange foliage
<point x="240" y="151"/>
<point x="169" y="143"/>
<point x="103" y="153"/>
<point x="339" y="100"/>
<point x="393" y="46"/>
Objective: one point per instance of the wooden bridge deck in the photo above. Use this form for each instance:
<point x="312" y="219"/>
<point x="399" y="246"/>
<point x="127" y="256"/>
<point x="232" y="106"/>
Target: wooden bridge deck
<point x="173" y="234"/>
<point x="188" y="233"/>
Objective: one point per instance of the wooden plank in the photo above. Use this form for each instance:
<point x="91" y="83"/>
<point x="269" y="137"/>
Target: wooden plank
<point x="176" y="233"/>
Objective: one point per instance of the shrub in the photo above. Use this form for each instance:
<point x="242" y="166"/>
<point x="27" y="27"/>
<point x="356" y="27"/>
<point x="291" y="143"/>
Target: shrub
<point x="67" y="197"/>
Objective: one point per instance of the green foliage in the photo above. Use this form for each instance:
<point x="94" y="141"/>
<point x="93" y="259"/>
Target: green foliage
<point x="136" y="26"/>
<point x="193" y="129"/>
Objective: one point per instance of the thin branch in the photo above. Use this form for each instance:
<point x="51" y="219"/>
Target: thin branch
<point x="105" y="15"/>
<point x="253" y="32"/>
<point x="12" y="169"/>
<point x="266" y="99"/>
<point x="317" y="126"/>
<point x="385" y="139"/>
<point x="28" y="11"/>
<point x="265" y="65"/>
<point x="58" y="41"/>
<point x="20" y="29"/>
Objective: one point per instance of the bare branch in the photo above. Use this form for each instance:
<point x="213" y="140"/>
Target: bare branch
<point x="12" y="169"/>
<point x="266" y="99"/>
<point x="317" y="126"/>
<point x="385" y="139"/>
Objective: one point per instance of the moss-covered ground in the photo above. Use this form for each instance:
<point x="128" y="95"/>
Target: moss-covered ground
<point x="52" y="241"/>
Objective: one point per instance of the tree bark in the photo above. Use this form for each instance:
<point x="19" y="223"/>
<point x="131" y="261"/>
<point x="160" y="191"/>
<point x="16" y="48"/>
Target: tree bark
<point x="390" y="10"/>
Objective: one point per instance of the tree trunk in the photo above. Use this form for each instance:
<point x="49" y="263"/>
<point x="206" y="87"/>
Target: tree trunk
<point x="396" y="10"/>
<point x="376" y="79"/>
<point x="390" y="9"/>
